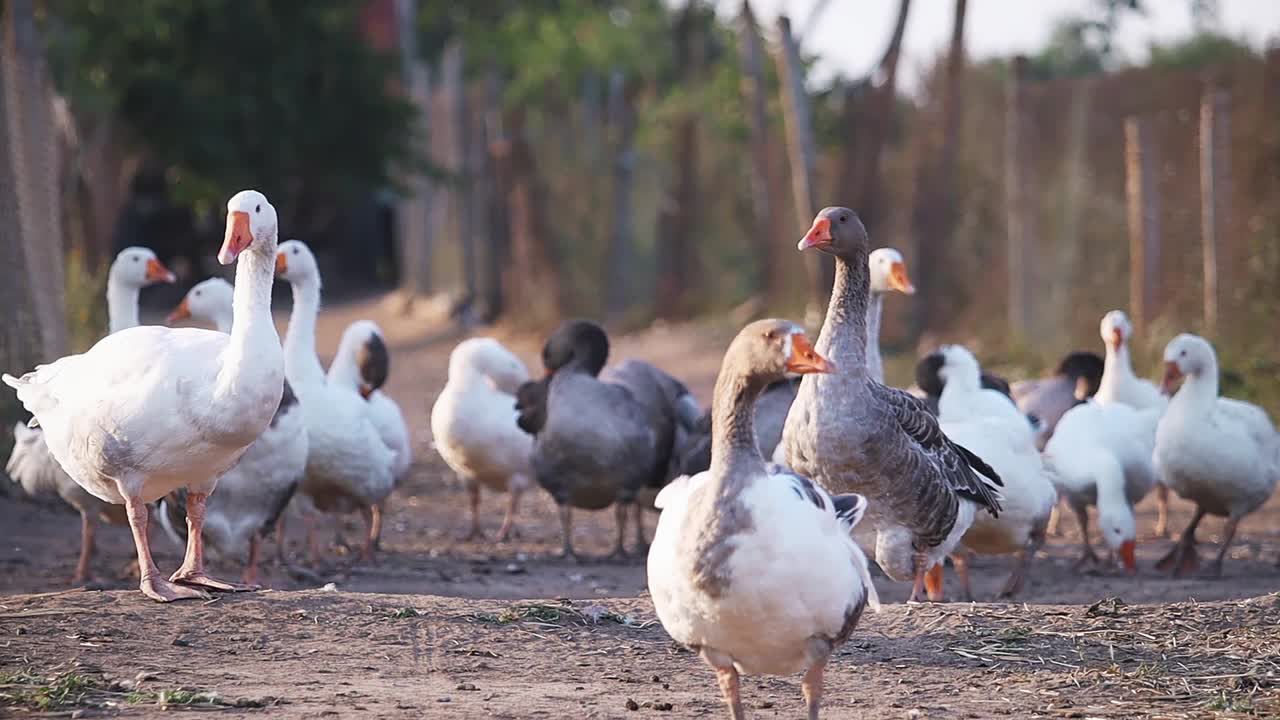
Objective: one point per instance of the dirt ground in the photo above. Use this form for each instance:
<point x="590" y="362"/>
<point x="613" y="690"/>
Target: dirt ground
<point x="445" y="628"/>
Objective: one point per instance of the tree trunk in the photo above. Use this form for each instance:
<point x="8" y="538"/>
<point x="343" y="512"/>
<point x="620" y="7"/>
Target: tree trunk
<point x="618" y="263"/>
<point x="679" y="216"/>
<point x="800" y="148"/>
<point x="1019" y="204"/>
<point x="766" y="229"/>
<point x="1214" y="170"/>
<point x="497" y="251"/>
<point x="883" y="97"/>
<point x="32" y="155"/>
<point x="935" y="208"/>
<point x="1141" y="181"/>
<point x="535" y="267"/>
<point x="413" y="226"/>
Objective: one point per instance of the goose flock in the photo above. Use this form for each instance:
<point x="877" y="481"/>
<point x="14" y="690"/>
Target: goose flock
<point x="218" y="432"/>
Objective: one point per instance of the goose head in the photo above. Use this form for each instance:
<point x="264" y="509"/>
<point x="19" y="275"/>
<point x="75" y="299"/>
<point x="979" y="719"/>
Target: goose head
<point x="767" y="350"/>
<point x="959" y="366"/>
<point x="1120" y="532"/>
<point x="580" y="344"/>
<point x="1116" y="329"/>
<point x="836" y="231"/>
<point x="488" y="357"/>
<point x="363" y="350"/>
<point x="138" y="267"/>
<point x="296" y="263"/>
<point x="1084" y="369"/>
<point x="1188" y="356"/>
<point x="889" y="272"/>
<point x="207" y="301"/>
<point x="251" y="225"/>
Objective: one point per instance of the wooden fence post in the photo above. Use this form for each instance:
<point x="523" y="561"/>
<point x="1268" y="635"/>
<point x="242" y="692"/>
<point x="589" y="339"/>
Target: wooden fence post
<point x="1019" y="203"/>
<point x="413" y="229"/>
<point x="1144" y="220"/>
<point x="800" y="147"/>
<point x="621" y="114"/>
<point x="1214" y="135"/>
<point x="755" y="100"/>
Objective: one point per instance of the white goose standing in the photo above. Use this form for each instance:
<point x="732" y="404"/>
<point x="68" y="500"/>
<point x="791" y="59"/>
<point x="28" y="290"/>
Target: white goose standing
<point x="32" y="465"/>
<point x="349" y="466"/>
<point x="744" y="546"/>
<point x="151" y="409"/>
<point x="1119" y="384"/>
<point x="1221" y="454"/>
<point x="252" y="495"/>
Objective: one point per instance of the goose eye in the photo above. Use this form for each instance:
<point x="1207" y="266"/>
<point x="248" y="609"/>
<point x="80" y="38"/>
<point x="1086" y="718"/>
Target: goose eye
<point x="844" y="218"/>
<point x="257" y="208"/>
<point x="198" y="293"/>
<point x="137" y="259"/>
<point x="295" y="251"/>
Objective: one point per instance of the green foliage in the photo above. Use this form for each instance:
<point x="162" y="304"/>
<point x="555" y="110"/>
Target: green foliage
<point x="284" y="96"/>
<point x="86" y="314"/>
<point x="1197" y="51"/>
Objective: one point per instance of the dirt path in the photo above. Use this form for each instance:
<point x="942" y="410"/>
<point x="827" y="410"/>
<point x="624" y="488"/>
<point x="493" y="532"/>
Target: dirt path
<point x="436" y="614"/>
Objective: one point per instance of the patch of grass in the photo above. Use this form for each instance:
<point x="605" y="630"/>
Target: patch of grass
<point x="26" y="689"/>
<point x="1227" y="703"/>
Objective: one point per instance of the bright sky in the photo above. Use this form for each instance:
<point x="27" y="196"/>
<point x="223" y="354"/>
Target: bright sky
<point x="852" y="34"/>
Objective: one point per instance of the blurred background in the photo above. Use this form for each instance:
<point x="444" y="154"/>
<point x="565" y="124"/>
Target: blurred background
<point x="517" y="161"/>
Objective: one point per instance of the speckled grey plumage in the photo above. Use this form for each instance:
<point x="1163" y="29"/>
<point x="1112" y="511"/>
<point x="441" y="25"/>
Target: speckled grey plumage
<point x="850" y="433"/>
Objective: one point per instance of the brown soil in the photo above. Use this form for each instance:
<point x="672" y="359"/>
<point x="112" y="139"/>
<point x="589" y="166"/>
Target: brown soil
<point x="446" y="628"/>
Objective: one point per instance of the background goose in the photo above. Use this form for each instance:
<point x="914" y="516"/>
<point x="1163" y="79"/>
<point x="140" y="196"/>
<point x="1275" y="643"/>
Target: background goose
<point x="1074" y="380"/>
<point x="985" y="422"/>
<point x="251" y="496"/>
<point x="32" y="465"/>
<point x="349" y="466"/>
<point x="363" y="363"/>
<point x="743" y="547"/>
<point x="929" y="383"/>
<point x="151" y="409"/>
<point x="850" y="433"/>
<point x="1120" y="385"/>
<point x="598" y="441"/>
<point x="888" y="275"/>
<point x="1221" y="454"/>
<point x="1101" y="455"/>
<point x="474" y="426"/>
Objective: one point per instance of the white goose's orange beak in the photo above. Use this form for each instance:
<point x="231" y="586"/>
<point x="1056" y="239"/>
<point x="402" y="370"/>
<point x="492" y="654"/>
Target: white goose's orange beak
<point x="1117" y="338"/>
<point x="238" y="237"/>
<point x="804" y="359"/>
<point x="899" y="280"/>
<point x="1172" y="374"/>
<point x="156" y="272"/>
<point x="182" y="312"/>
<point x="282" y="264"/>
<point x="819" y="235"/>
<point x="1127" y="557"/>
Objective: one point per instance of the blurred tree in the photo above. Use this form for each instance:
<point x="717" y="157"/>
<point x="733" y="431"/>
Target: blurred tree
<point x="1197" y="51"/>
<point x="284" y="96"/>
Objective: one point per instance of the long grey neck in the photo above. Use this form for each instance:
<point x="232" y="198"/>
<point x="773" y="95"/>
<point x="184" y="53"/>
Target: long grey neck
<point x="875" y="366"/>
<point x="302" y="365"/>
<point x="843" y="338"/>
<point x="122" y="306"/>
<point x="253" y="333"/>
<point x="734" y="454"/>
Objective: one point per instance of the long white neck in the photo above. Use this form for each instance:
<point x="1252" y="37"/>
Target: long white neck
<point x="122" y="305"/>
<point x="875" y="366"/>
<point x="254" y="342"/>
<point x="1117" y="370"/>
<point x="1198" y="394"/>
<point x="301" y="363"/>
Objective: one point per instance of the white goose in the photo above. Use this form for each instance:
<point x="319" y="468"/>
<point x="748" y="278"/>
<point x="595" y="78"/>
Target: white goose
<point x="32" y="465"/>
<point x="152" y="409"/>
<point x="474" y="426"/>
<point x="252" y="495"/>
<point x="349" y="467"/>
<point x="1101" y="455"/>
<point x="888" y="274"/>
<point x="745" y="546"/>
<point x="363" y="364"/>
<point x="1120" y="385"/>
<point x="1221" y="454"/>
<point x="985" y="422"/>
